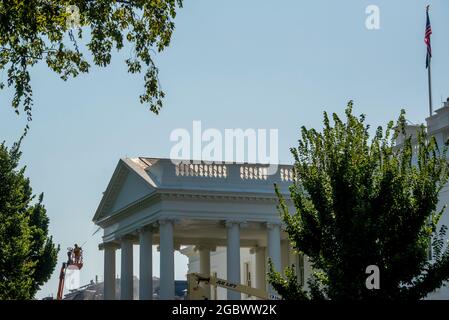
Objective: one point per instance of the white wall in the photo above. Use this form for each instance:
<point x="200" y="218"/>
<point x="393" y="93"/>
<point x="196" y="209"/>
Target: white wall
<point x="443" y="292"/>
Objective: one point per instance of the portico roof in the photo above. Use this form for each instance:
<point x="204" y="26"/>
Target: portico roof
<point x="188" y="188"/>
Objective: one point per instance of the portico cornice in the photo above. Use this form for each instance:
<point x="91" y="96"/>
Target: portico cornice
<point x="210" y="195"/>
<point x="166" y="194"/>
<point x="112" y="245"/>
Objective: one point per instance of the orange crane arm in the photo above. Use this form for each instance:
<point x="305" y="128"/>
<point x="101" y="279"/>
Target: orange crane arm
<point x="61" y="281"/>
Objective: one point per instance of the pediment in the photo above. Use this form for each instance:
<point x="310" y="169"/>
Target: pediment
<point x="128" y="184"/>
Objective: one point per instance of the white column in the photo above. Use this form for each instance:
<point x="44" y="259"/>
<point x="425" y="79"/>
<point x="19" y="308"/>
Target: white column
<point x="205" y="264"/>
<point x="146" y="264"/>
<point x="204" y="261"/>
<point x="261" y="282"/>
<point x="233" y="257"/>
<point x="167" y="281"/>
<point x="109" y="271"/>
<point x="274" y="246"/>
<point x="126" y="279"/>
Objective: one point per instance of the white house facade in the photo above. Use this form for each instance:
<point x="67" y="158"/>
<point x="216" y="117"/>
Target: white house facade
<point x="437" y="125"/>
<point x="223" y="216"/>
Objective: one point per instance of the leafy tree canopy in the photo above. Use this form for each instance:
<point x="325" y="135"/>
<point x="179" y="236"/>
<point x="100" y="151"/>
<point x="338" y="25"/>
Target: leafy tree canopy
<point x="41" y="30"/>
<point x="361" y="202"/>
<point x="27" y="254"/>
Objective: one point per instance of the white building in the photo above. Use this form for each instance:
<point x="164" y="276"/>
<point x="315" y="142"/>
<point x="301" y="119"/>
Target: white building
<point x="223" y="216"/>
<point x="437" y="125"/>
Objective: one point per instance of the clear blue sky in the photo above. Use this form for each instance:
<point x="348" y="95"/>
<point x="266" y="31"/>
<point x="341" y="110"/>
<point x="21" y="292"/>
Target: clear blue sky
<point x="231" y="64"/>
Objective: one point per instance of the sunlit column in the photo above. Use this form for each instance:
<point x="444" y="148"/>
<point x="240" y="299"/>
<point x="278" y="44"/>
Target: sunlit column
<point x="126" y="279"/>
<point x="233" y="257"/>
<point x="204" y="252"/>
<point x="146" y="264"/>
<point x="274" y="246"/>
<point x="167" y="281"/>
<point x="261" y="282"/>
<point x="109" y="271"/>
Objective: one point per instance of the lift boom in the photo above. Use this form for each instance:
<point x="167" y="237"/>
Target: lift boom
<point x="196" y="291"/>
<point x="74" y="262"/>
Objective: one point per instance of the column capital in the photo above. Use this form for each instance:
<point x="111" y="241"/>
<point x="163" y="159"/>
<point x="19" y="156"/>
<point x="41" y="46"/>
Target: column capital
<point x="255" y="250"/>
<point x="149" y="227"/>
<point x="108" y="245"/>
<point x="272" y="225"/>
<point x="205" y="247"/>
<point x="126" y="237"/>
<point x="176" y="246"/>
<point x="171" y="220"/>
<point x="231" y="223"/>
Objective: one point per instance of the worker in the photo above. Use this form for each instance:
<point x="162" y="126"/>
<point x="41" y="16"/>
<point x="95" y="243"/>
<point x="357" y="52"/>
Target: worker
<point x="77" y="253"/>
<point x="69" y="256"/>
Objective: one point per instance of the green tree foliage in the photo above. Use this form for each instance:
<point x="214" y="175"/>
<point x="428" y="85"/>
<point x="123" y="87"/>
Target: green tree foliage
<point x="42" y="30"/>
<point x="28" y="255"/>
<point x="360" y="202"/>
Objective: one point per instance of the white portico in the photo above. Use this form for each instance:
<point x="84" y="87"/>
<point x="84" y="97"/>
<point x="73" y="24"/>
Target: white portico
<point x="155" y="202"/>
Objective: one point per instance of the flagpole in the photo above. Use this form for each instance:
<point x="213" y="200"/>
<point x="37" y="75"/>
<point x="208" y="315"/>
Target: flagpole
<point x="429" y="59"/>
<point x="429" y="75"/>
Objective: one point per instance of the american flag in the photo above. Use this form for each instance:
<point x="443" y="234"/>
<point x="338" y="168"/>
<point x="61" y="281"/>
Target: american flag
<point x="427" y="39"/>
